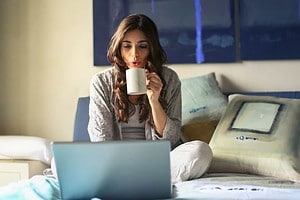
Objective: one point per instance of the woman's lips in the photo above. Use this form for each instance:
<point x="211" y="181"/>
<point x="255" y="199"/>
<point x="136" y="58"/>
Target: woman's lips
<point x="136" y="63"/>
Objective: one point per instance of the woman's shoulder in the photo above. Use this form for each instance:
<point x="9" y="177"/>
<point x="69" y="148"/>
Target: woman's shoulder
<point x="169" y="73"/>
<point x="104" y="73"/>
<point x="103" y="76"/>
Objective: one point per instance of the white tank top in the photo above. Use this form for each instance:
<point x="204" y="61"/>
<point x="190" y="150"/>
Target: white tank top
<point x="134" y="130"/>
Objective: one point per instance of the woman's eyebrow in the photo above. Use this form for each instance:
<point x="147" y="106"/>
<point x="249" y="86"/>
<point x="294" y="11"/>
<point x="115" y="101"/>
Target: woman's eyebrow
<point x="142" y="41"/>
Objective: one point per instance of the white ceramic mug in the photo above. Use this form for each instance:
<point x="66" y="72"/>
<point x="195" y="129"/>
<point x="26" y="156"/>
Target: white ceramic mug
<point x="136" y="81"/>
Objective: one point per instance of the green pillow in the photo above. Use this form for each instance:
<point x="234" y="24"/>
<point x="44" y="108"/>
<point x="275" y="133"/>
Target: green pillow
<point x="202" y="99"/>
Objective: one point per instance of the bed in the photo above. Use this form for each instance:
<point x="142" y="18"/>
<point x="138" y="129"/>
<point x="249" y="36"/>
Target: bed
<point x="251" y="159"/>
<point x="248" y="177"/>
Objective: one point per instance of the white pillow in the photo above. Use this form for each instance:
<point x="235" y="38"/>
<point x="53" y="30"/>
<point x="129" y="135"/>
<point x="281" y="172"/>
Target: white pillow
<point x="25" y="147"/>
<point x="190" y="161"/>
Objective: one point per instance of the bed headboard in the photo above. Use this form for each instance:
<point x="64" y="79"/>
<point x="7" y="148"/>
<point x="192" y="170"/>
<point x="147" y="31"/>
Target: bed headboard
<point x="81" y="120"/>
<point x="82" y="112"/>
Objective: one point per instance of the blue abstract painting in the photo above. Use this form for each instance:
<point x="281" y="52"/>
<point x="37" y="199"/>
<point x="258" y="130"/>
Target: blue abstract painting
<point x="189" y="32"/>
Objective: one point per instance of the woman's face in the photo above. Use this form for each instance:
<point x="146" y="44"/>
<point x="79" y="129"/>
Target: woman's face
<point x="135" y="49"/>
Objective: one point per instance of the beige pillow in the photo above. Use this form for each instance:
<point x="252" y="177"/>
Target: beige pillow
<point x="259" y="135"/>
<point x="190" y="161"/>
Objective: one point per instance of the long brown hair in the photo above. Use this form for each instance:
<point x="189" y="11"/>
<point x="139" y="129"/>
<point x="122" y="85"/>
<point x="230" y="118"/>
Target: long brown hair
<point x="157" y="57"/>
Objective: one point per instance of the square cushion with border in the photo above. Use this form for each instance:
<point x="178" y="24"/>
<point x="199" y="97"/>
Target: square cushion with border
<point x="203" y="104"/>
<point x="258" y="135"/>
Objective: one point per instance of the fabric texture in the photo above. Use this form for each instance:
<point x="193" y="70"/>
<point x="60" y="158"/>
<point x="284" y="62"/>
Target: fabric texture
<point x="258" y="135"/>
<point x="103" y="124"/>
<point x="203" y="104"/>
<point x="190" y="161"/>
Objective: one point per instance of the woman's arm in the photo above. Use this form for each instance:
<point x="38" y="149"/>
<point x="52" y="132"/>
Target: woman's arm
<point x="167" y="121"/>
<point x="154" y="87"/>
<point x="100" y="126"/>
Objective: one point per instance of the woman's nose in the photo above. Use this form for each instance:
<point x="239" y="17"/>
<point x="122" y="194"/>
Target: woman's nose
<point x="135" y="52"/>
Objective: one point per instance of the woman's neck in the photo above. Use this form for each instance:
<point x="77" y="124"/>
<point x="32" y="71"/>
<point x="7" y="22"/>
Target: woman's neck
<point x="134" y="99"/>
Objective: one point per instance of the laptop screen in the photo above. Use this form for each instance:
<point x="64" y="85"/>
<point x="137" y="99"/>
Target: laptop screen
<point x="113" y="169"/>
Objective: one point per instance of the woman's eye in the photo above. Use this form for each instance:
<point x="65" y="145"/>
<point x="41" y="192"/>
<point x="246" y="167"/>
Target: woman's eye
<point x="143" y="46"/>
<point x="126" y="46"/>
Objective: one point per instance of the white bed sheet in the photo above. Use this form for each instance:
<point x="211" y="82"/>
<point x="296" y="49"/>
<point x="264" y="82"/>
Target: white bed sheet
<point x="237" y="186"/>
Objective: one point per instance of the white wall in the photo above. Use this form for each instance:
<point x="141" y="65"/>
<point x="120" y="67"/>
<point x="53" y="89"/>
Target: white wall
<point x="250" y="76"/>
<point x="46" y="62"/>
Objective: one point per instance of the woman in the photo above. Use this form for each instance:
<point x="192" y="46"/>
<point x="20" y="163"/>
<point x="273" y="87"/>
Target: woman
<point x="154" y="115"/>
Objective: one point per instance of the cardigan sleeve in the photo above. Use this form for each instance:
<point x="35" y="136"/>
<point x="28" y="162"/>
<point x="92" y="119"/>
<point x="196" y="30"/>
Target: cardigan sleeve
<point x="101" y="122"/>
<point x="172" y="129"/>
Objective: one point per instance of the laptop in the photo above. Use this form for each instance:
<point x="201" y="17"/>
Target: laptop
<point x="138" y="169"/>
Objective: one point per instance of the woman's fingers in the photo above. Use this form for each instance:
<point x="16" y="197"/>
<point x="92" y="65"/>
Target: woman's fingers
<point x="153" y="81"/>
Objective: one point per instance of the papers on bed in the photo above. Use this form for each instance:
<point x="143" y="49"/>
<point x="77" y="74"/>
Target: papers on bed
<point x="237" y="186"/>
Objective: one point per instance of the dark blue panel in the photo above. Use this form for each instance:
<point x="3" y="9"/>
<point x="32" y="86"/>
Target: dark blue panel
<point x="269" y="29"/>
<point x="283" y="94"/>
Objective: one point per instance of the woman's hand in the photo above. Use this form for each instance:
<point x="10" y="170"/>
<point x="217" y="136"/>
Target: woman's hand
<point x="154" y="86"/>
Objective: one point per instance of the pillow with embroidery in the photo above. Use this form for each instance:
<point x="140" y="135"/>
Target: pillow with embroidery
<point x="203" y="104"/>
<point x="202" y="99"/>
